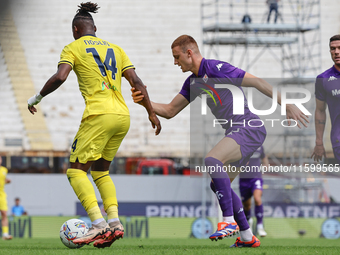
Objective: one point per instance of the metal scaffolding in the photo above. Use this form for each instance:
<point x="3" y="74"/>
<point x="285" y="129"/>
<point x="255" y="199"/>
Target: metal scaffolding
<point x="294" y="42"/>
<point x="297" y="33"/>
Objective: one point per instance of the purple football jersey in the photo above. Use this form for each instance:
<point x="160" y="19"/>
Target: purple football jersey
<point x="327" y="89"/>
<point x="213" y="72"/>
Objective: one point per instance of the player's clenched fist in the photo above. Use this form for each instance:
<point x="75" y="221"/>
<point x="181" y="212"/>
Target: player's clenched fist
<point x="33" y="101"/>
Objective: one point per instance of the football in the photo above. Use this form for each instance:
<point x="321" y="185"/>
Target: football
<point x="72" y="229"/>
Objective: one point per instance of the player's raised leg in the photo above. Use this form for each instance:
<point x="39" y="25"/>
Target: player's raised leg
<point x="247" y="238"/>
<point x="227" y="150"/>
<point x="223" y="230"/>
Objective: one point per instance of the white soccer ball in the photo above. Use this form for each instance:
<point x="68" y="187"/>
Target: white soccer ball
<point x="72" y="229"/>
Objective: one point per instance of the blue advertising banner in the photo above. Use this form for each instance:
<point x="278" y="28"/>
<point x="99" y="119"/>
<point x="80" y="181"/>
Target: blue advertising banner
<point x="301" y="210"/>
<point x="149" y="209"/>
<point x="195" y="209"/>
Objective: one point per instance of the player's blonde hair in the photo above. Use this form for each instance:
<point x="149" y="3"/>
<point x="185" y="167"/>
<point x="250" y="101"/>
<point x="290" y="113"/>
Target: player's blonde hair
<point x="185" y="42"/>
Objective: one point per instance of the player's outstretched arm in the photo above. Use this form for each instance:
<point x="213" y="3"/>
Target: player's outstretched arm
<point x="51" y="85"/>
<point x="167" y="111"/>
<point x="292" y="112"/>
<point x="137" y="83"/>
<point x="320" y="122"/>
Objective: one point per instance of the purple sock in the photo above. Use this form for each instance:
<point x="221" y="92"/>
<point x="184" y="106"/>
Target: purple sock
<point x="259" y="213"/>
<point x="222" y="185"/>
<point x="248" y="214"/>
<point x="212" y="187"/>
<point x="239" y="215"/>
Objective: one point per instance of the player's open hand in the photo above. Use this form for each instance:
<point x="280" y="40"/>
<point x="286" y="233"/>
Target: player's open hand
<point x="318" y="153"/>
<point x="137" y="96"/>
<point x="155" y="123"/>
<point x="296" y="114"/>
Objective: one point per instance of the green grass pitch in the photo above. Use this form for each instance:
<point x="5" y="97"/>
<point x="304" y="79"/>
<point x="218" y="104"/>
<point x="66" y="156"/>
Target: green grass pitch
<point x="131" y="246"/>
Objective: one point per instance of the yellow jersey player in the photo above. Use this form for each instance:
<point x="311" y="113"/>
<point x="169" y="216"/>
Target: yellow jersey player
<point x="3" y="202"/>
<point x="99" y="66"/>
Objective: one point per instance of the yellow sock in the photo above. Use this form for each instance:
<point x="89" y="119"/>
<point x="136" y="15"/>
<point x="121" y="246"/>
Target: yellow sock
<point x="5" y="230"/>
<point x="107" y="192"/>
<point x="112" y="212"/>
<point x="85" y="192"/>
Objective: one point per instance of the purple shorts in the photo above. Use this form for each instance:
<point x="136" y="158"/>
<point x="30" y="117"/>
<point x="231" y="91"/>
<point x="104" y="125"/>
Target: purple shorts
<point x="336" y="151"/>
<point x="247" y="187"/>
<point x="249" y="139"/>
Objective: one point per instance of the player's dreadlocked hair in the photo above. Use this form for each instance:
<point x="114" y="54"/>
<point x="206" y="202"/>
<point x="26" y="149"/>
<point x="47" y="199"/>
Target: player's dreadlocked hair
<point x="84" y="11"/>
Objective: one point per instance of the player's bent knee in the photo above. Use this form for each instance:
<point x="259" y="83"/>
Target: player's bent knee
<point x="258" y="200"/>
<point x="100" y="165"/>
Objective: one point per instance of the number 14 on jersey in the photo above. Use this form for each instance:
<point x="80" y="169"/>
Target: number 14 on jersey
<point x="109" y="63"/>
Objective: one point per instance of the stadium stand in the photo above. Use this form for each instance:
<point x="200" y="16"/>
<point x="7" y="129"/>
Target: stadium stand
<point x="44" y="30"/>
<point x="19" y="76"/>
<point x="11" y="126"/>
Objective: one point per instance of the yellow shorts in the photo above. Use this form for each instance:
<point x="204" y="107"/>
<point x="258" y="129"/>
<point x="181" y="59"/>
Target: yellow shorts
<point x="99" y="136"/>
<point x="3" y="202"/>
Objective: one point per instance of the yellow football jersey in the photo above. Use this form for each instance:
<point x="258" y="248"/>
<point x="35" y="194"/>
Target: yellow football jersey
<point x="98" y="65"/>
<point x="3" y="174"/>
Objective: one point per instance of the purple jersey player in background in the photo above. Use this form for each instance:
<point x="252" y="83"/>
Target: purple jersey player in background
<point x="251" y="184"/>
<point x="239" y="143"/>
<point x="327" y="92"/>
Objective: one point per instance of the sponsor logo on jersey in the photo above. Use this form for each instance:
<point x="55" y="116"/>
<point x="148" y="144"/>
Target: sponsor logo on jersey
<point x="332" y="78"/>
<point x="219" y="66"/>
<point x="205" y="78"/>
<point x="211" y="91"/>
<point x="335" y="92"/>
<point x="108" y="86"/>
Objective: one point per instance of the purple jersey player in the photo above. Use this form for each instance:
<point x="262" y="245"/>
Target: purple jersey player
<point x="327" y="92"/>
<point x="251" y="184"/>
<point x="214" y="72"/>
<point x="239" y="143"/>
